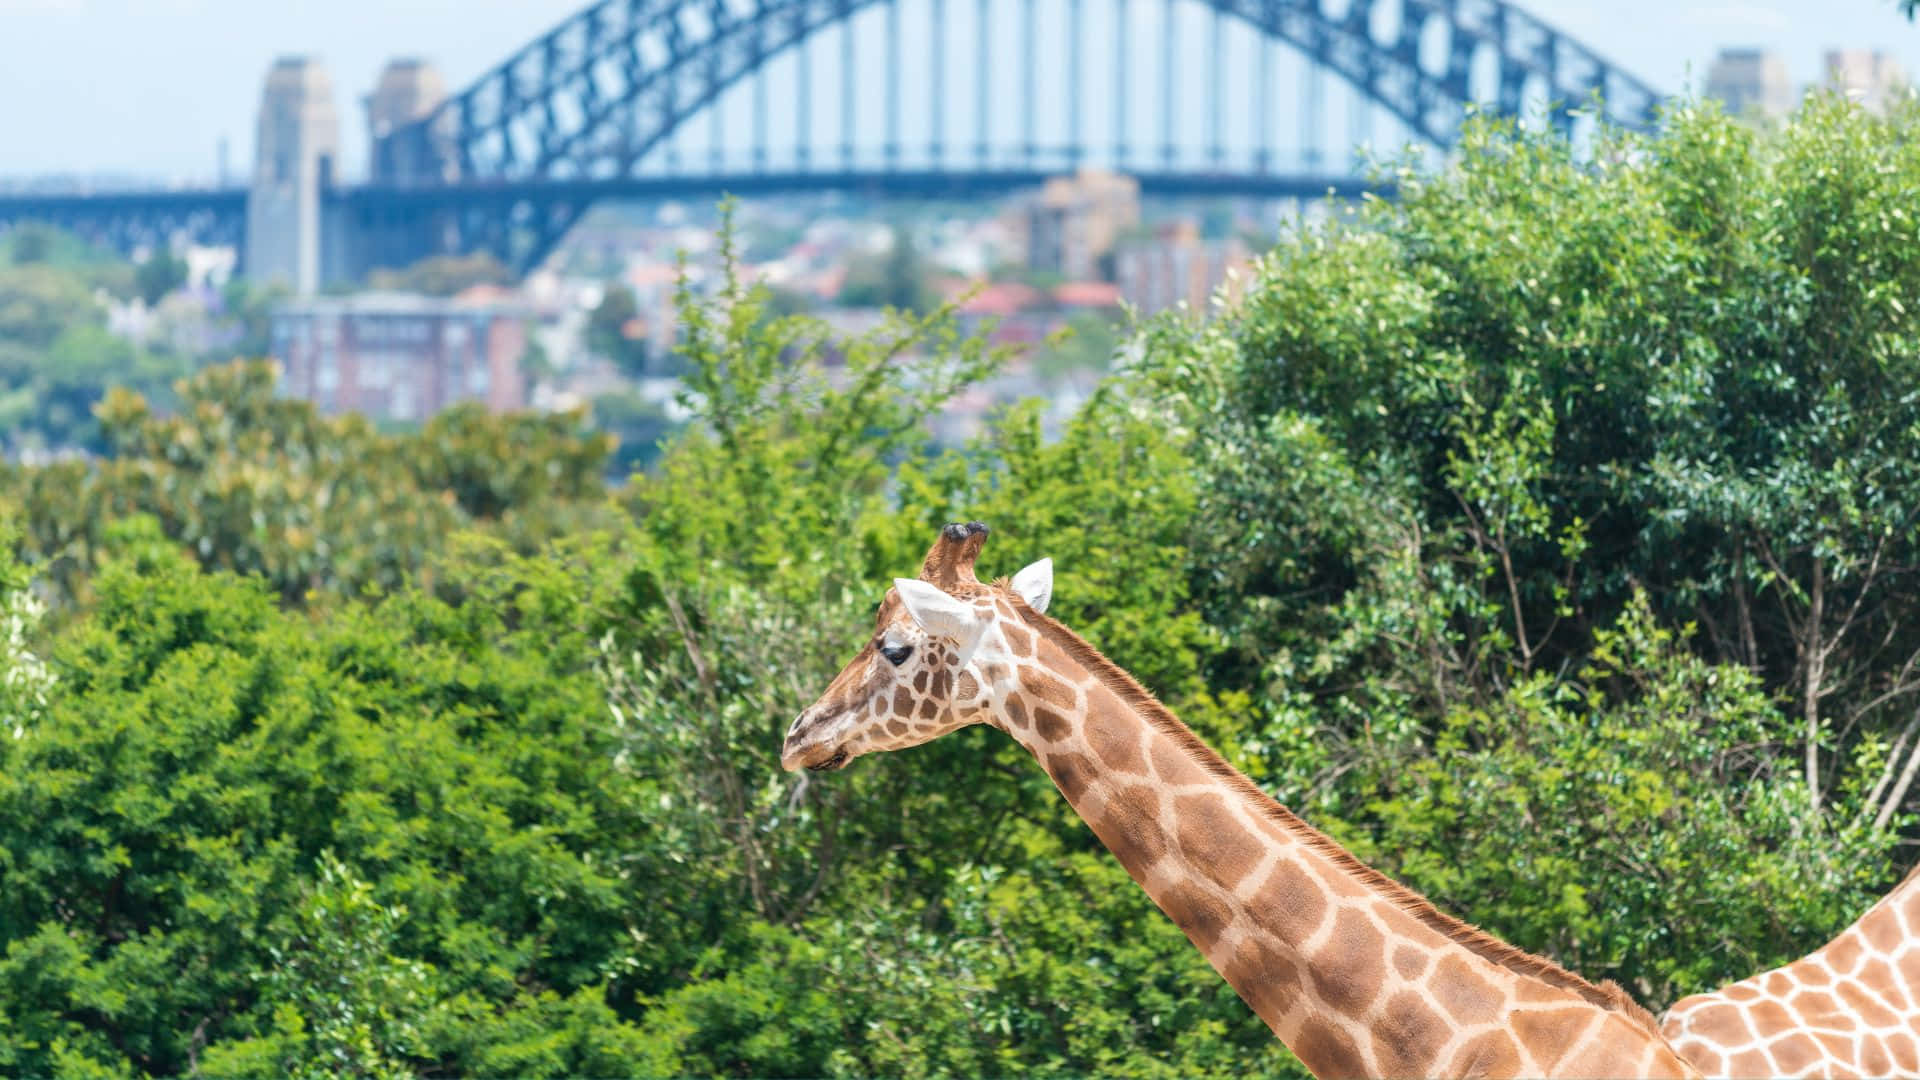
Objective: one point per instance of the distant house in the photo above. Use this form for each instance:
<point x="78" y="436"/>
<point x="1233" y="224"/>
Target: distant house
<point x="1081" y="295"/>
<point x="1177" y="266"/>
<point x="1000" y="300"/>
<point x="398" y="356"/>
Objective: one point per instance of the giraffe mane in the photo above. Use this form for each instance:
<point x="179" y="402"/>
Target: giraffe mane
<point x="1607" y="994"/>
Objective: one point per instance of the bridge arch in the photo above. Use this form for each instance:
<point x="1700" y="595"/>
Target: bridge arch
<point x="595" y="95"/>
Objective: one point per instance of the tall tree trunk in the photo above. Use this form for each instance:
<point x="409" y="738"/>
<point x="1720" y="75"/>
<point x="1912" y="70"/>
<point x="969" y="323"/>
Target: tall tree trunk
<point x="1816" y="663"/>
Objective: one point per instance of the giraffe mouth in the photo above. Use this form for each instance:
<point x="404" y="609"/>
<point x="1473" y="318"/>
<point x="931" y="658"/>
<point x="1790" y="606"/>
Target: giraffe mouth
<point x="837" y="761"/>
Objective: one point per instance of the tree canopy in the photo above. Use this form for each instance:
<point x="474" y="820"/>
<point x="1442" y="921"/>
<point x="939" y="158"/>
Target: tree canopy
<point x="1545" y="535"/>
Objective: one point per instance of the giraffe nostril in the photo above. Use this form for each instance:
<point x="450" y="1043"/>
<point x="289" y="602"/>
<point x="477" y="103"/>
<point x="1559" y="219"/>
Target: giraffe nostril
<point x="798" y="723"/>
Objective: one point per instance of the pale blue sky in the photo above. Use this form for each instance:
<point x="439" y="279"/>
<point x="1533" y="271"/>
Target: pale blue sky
<point x="150" y="86"/>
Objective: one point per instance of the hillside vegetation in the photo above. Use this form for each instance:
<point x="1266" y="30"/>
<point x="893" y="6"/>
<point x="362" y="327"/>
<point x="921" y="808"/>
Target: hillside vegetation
<point x="1547" y="535"/>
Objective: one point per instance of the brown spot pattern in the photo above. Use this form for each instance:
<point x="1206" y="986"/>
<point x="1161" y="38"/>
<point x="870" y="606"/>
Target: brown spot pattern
<point x="1410" y="962"/>
<point x="1052" y="726"/>
<point x="1020" y="640"/>
<point x="1720" y="1023"/>
<point x="1128" y="824"/>
<point x="1793" y="1053"/>
<point x="1409" y="1036"/>
<point x="1491" y="1054"/>
<point x="1771" y="1016"/>
<point x="1864" y="1005"/>
<point x="1882" y="935"/>
<point x="1198" y="911"/>
<point x="1045" y="687"/>
<point x="1549" y="1034"/>
<point x="1749" y="1063"/>
<point x="1118" y="747"/>
<point x="1910" y="967"/>
<point x="1844" y="953"/>
<point x="1017" y="710"/>
<point x="1072" y="773"/>
<point x="1263" y="976"/>
<point x="1174" y="766"/>
<point x="1352" y="965"/>
<point x="1532" y="993"/>
<point x="1839" y="1046"/>
<point x="1874" y="1058"/>
<point x="1212" y="839"/>
<point x="1906" y="1052"/>
<point x="1289" y="902"/>
<point x="1329" y="1052"/>
<point x="1461" y="991"/>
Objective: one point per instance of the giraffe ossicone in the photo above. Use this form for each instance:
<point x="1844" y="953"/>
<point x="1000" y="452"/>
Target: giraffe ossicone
<point x="1358" y="975"/>
<point x="1848" y="1009"/>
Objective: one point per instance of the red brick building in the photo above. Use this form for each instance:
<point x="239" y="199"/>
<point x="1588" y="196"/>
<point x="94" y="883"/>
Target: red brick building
<point x="397" y="356"/>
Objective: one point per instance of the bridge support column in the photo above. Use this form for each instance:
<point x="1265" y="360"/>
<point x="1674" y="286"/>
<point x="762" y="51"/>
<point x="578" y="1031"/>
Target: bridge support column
<point x="297" y="144"/>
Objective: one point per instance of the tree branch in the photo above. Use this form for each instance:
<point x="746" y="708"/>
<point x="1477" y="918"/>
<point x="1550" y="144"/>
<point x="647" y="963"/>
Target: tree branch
<point x="1899" y="793"/>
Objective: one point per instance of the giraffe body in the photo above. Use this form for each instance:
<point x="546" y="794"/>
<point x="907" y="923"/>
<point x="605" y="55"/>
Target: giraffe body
<point x="1849" y="1009"/>
<point x="1356" y="974"/>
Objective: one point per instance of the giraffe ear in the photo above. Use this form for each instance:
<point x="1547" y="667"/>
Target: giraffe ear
<point x="937" y="613"/>
<point x="1035" y="584"/>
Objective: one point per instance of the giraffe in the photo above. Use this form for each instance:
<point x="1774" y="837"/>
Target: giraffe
<point x="1356" y="974"/>
<point x="1850" y="1008"/>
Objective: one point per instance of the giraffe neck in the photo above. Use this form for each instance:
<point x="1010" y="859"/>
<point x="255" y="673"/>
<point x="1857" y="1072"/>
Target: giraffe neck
<point x="1357" y="975"/>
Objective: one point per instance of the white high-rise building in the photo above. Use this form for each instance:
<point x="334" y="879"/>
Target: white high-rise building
<point x="1752" y="83"/>
<point x="1868" y="76"/>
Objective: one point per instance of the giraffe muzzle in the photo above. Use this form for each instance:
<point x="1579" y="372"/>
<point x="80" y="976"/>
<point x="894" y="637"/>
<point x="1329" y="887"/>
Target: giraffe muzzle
<point x="805" y="749"/>
<point x="837" y="761"/>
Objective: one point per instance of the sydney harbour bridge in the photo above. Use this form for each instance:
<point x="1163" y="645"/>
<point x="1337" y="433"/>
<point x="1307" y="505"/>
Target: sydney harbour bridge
<point x="642" y="99"/>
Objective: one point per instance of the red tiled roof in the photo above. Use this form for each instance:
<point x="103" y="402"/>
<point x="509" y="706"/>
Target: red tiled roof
<point x="662" y="273"/>
<point x="1087" y="294"/>
<point x="484" y="294"/>
<point x="1004" y="298"/>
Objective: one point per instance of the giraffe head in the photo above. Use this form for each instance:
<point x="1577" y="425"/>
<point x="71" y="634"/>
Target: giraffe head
<point x="920" y="675"/>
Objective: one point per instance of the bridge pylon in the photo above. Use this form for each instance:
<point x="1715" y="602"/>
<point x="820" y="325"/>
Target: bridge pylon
<point x="296" y="147"/>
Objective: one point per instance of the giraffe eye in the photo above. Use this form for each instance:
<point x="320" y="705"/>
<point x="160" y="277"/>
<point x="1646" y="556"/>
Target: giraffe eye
<point x="898" y="654"/>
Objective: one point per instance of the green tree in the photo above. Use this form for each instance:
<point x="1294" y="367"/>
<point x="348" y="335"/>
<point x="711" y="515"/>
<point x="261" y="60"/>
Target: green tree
<point x="386" y="840"/>
<point x="161" y="273"/>
<point x="765" y="536"/>
<point x="897" y="279"/>
<point x="1459" y="451"/>
<point x="249" y="308"/>
<point x="443" y="275"/>
<point x="637" y="425"/>
<point x="1498" y="530"/>
<point x="613" y="330"/>
<point x="25" y="679"/>
<point x="31" y="243"/>
<point x="57" y="360"/>
<point x="265" y="485"/>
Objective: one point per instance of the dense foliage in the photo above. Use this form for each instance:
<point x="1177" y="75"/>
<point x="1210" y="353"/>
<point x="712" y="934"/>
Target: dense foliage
<point x="1546" y="535"/>
<point x="1550" y="452"/>
<point x="268" y="486"/>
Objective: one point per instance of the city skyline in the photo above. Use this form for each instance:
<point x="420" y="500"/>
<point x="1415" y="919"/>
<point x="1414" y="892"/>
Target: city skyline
<point x="168" y="80"/>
